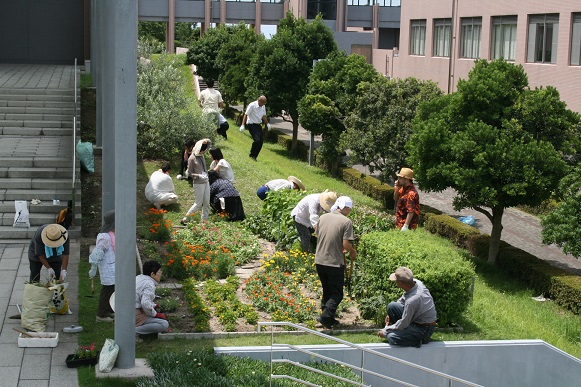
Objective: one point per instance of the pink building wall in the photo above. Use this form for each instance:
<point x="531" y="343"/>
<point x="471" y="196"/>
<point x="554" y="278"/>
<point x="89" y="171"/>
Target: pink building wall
<point x="566" y="78"/>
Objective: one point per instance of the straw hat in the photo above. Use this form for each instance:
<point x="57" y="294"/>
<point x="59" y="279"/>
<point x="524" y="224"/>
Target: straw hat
<point x="299" y="183"/>
<point x="327" y="199"/>
<point x="54" y="235"/>
<point x="406" y="173"/>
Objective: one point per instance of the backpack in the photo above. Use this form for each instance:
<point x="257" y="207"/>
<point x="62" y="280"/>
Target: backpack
<point x="65" y="216"/>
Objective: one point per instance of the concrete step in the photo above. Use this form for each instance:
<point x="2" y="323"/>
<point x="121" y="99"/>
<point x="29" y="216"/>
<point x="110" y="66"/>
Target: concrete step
<point x="37" y="104"/>
<point x="22" y="131"/>
<point x="24" y="183"/>
<point x="38" y="97"/>
<point x="19" y="161"/>
<point x="44" y="207"/>
<point x="68" y="123"/>
<point x="64" y="110"/>
<point x="14" y="233"/>
<point x="27" y="91"/>
<point x="35" y="116"/>
<point x="63" y="194"/>
<point x="17" y="172"/>
<point x="35" y="219"/>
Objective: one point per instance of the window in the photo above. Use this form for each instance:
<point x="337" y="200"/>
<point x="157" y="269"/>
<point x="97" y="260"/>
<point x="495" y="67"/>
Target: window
<point x="503" y="37"/>
<point x="542" y="39"/>
<point x="576" y="40"/>
<point x="470" y="29"/>
<point x="418" y="37"/>
<point x="442" y="37"/>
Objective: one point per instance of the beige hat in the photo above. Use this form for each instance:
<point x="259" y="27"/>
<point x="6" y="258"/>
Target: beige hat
<point x="403" y="274"/>
<point x="299" y="183"/>
<point x="327" y="199"/>
<point x="406" y="173"/>
<point x="54" y="235"/>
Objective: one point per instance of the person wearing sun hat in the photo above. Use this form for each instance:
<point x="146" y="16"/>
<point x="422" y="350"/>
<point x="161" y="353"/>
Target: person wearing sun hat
<point x="49" y="247"/>
<point x="291" y="182"/>
<point x="411" y="320"/>
<point x="407" y="201"/>
<point x="335" y="234"/>
<point x="199" y="173"/>
<point x="307" y="212"/>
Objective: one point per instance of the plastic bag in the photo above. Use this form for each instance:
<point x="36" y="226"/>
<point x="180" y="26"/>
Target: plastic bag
<point x="59" y="303"/>
<point x="85" y="153"/>
<point x="35" y="309"/>
<point x="21" y="217"/>
<point x="469" y="220"/>
<point x="108" y="356"/>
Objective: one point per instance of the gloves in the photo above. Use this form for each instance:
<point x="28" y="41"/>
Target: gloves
<point x="404" y="227"/>
<point x="268" y="126"/>
<point x="63" y="275"/>
<point x="93" y="271"/>
<point x="160" y="315"/>
<point x="156" y="307"/>
<point x="51" y="272"/>
<point x="242" y="128"/>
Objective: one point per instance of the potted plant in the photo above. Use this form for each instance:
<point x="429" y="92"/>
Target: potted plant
<point x="84" y="355"/>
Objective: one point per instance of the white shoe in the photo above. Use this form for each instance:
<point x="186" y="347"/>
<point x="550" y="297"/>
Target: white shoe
<point x="179" y="177"/>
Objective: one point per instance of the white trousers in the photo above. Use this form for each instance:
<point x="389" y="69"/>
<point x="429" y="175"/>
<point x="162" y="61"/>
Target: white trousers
<point x="201" y="200"/>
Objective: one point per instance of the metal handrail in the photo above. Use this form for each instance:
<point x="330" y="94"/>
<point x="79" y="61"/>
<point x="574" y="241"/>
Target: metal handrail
<point x="358" y="347"/>
<point x="75" y="113"/>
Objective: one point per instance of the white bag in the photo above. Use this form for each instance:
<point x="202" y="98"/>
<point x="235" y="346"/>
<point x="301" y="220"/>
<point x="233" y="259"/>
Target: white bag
<point x="21" y="218"/>
<point x="108" y="355"/>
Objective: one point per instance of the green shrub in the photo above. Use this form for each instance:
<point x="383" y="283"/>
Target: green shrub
<point x="434" y="261"/>
<point x="370" y="186"/>
<point x="450" y="228"/>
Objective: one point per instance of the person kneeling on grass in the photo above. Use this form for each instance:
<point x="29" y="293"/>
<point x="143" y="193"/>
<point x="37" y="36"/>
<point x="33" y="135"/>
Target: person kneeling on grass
<point x="147" y="319"/>
<point x="411" y="320"/>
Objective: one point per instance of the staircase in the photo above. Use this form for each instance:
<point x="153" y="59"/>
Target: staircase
<point x="36" y="157"/>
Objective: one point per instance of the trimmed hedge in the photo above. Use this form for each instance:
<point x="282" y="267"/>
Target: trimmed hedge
<point x="560" y="285"/>
<point x="434" y="261"/>
<point x="286" y="141"/>
<point x="370" y="186"/>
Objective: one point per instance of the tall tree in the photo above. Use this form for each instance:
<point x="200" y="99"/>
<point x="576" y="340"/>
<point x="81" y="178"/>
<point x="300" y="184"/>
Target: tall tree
<point x="476" y="142"/>
<point x="563" y="225"/>
<point x="204" y="51"/>
<point x="381" y="124"/>
<point x="280" y="70"/>
<point x="329" y="99"/>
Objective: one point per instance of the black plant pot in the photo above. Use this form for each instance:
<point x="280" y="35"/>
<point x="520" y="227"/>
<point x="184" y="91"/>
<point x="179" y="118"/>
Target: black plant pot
<point x="87" y="361"/>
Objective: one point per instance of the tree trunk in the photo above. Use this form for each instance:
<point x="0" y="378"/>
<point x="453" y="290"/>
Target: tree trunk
<point x="295" y="133"/>
<point x="497" y="213"/>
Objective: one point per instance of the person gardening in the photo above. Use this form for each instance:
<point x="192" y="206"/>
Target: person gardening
<point x="49" y="248"/>
<point x="405" y="195"/>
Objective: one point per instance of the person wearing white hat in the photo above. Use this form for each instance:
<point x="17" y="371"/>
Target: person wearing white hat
<point x="307" y="212"/>
<point x="49" y="247"/>
<point x="335" y="235"/>
<point x="411" y="320"/>
<point x="103" y="258"/>
<point x="407" y="201"/>
<point x="277" y="184"/>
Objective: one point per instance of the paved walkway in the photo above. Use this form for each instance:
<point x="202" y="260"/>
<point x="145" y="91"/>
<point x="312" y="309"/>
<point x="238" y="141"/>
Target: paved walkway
<point x="520" y="229"/>
<point x="34" y="366"/>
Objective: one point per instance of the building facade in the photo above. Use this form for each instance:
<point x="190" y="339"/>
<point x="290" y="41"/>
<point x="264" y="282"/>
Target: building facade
<point x="439" y="40"/>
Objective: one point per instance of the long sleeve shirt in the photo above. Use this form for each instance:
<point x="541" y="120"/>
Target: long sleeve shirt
<point x="145" y="294"/>
<point x="418" y="307"/>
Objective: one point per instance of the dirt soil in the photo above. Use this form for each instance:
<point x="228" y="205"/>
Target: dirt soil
<point x="181" y="319"/>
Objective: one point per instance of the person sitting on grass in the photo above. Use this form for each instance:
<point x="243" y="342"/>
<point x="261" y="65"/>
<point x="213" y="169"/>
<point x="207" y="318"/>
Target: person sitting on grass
<point x="160" y="190"/>
<point x="147" y="319"/>
<point x="220" y="165"/>
<point x="224" y="198"/>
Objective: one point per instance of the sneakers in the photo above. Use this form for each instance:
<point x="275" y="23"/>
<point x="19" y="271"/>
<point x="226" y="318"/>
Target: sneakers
<point x="104" y="319"/>
<point x="328" y="324"/>
<point x="138" y="339"/>
<point x="179" y="177"/>
<point x="184" y="220"/>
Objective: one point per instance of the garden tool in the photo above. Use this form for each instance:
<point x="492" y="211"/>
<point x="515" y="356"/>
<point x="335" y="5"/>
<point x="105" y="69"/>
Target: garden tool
<point x="92" y="288"/>
<point x="348" y="274"/>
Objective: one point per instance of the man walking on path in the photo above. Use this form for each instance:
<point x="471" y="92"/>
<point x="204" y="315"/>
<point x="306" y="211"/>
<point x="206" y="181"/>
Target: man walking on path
<point x="407" y="210"/>
<point x="335" y="234"/>
<point x="410" y="321"/>
<point x="254" y="116"/>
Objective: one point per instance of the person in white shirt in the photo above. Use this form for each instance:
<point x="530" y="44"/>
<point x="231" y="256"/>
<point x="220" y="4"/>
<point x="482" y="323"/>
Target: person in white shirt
<point x="211" y="101"/>
<point x="160" y="189"/>
<point x="147" y="319"/>
<point x="278" y="184"/>
<point x="255" y="115"/>
<point x="307" y="212"/>
<point x="223" y="126"/>
<point x="103" y="259"/>
<point x="220" y="165"/>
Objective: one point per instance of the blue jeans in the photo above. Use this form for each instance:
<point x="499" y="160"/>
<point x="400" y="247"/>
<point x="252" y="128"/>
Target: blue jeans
<point x="411" y="336"/>
<point x="261" y="193"/>
<point x="305" y="236"/>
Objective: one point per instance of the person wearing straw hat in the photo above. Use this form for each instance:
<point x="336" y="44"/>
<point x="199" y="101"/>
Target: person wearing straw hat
<point x="199" y="173"/>
<point x="335" y="234"/>
<point x="411" y="320"/>
<point x="277" y="184"/>
<point x="49" y="248"/>
<point x="307" y="212"/>
<point x="103" y="258"/>
<point x="405" y="195"/>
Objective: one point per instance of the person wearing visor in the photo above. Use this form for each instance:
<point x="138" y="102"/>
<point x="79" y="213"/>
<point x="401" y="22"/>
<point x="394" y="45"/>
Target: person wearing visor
<point x="49" y="248"/>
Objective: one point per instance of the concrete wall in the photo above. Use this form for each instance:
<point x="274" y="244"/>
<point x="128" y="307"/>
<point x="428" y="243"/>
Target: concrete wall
<point x="567" y="79"/>
<point x="510" y="363"/>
